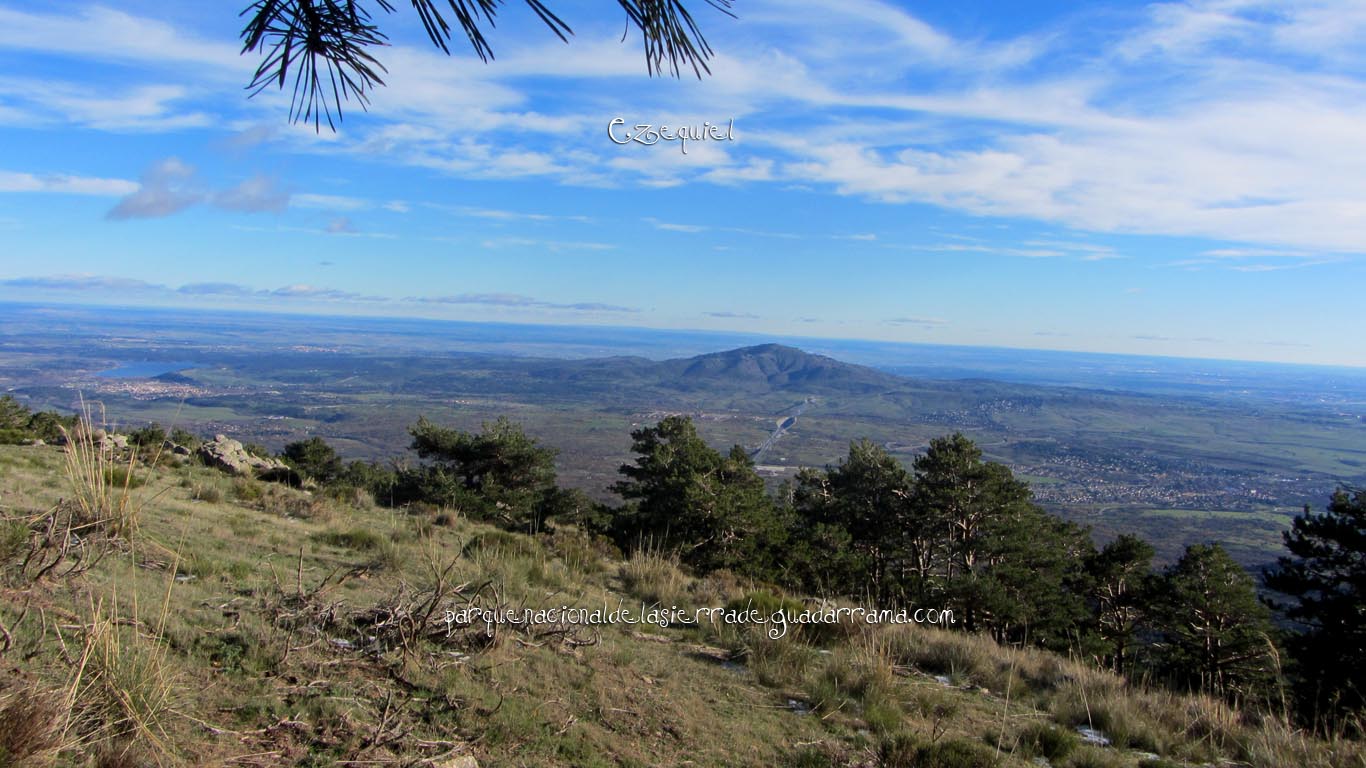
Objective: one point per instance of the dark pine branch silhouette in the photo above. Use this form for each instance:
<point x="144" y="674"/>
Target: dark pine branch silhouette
<point x="321" y="49"/>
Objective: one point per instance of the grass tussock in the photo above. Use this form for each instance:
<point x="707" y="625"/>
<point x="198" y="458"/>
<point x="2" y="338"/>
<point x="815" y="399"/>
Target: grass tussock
<point x="905" y="751"/>
<point x="32" y="730"/>
<point x="124" y="690"/>
<point x="655" y="577"/>
<point x="100" y="480"/>
<point x="857" y="680"/>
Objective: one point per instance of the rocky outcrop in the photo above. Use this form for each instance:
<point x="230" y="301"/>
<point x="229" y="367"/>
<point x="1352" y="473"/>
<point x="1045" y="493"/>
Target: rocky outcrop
<point x="108" y="442"/>
<point x="222" y="452"/>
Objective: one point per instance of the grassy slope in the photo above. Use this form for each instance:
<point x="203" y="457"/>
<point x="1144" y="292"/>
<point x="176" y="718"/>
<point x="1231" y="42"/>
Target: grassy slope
<point x="225" y="656"/>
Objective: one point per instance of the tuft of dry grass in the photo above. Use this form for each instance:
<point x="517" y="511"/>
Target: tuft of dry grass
<point x="123" y="689"/>
<point x="102" y="482"/>
<point x="857" y="680"/>
<point x="655" y="577"/>
<point x="32" y="730"/>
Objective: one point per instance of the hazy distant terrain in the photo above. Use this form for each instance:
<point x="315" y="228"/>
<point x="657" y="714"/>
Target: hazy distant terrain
<point x="1179" y="450"/>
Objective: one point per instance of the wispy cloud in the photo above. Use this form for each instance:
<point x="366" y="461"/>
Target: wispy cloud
<point x="924" y="322"/>
<point x="125" y="286"/>
<point x="111" y="35"/>
<point x="519" y="301"/>
<point x="214" y="289"/>
<point x="328" y="202"/>
<point x="671" y="226"/>
<point x="155" y="107"/>
<point x="305" y="291"/>
<point x="167" y="187"/>
<point x="548" y="245"/>
<point x="733" y="315"/>
<point x="170" y="186"/>
<point x="341" y="226"/>
<point x="82" y="282"/>
<point x="1254" y="135"/>
<point x="11" y="181"/>
<point x="1028" y="253"/>
<point x="258" y="194"/>
<point x="496" y="214"/>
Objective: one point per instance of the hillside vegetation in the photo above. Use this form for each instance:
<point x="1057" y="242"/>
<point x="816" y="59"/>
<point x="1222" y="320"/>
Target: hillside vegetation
<point x="1175" y="468"/>
<point x="159" y="612"/>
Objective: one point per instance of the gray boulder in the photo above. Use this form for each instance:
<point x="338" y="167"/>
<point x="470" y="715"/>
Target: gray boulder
<point x="222" y="452"/>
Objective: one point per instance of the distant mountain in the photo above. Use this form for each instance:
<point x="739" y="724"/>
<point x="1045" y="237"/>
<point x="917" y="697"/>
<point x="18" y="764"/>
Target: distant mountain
<point x="174" y="377"/>
<point x="772" y="367"/>
<point x="748" y="371"/>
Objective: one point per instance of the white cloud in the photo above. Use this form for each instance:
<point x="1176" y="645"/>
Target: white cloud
<point x="258" y="194"/>
<point x="153" y="107"/>
<point x="1238" y="120"/>
<point x="519" y="301"/>
<point x="106" y="34"/>
<point x="341" y="226"/>
<point x="11" y="181"/>
<point x="328" y="202"/>
<point x="82" y="282"/>
<point x="548" y="245"/>
<point x="923" y="322"/>
<point x="167" y="187"/>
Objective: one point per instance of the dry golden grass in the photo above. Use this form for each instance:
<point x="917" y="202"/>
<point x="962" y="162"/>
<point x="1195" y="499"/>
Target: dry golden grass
<point x="655" y="577"/>
<point x="123" y="689"/>
<point x="101" y="482"/>
<point x="31" y="734"/>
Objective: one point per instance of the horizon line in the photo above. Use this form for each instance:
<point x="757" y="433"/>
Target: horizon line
<point x="664" y="330"/>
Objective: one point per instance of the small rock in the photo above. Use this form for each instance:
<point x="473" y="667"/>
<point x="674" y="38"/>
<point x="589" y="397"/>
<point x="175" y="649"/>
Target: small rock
<point x="462" y="761"/>
<point x="1092" y="736"/>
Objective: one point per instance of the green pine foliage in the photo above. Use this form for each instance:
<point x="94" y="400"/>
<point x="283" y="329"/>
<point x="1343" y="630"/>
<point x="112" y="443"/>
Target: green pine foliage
<point x="1325" y="576"/>
<point x="1216" y="636"/>
<point x="20" y="425"/>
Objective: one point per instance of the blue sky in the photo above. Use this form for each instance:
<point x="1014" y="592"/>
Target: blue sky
<point x="1170" y="178"/>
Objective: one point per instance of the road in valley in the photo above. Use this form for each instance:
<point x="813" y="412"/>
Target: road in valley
<point x="784" y="424"/>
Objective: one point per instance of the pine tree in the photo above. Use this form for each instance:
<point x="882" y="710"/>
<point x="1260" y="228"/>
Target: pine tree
<point x="1326" y="577"/>
<point x="499" y="469"/>
<point x="1216" y="635"/>
<point x="1119" y="578"/>
<point x="315" y="458"/>
<point x="869" y="495"/>
<point x="685" y="496"/>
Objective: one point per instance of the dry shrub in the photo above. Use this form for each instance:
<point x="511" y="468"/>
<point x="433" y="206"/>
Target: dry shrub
<point x="286" y="502"/>
<point x="49" y="546"/>
<point x="716" y="588"/>
<point x="582" y="553"/>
